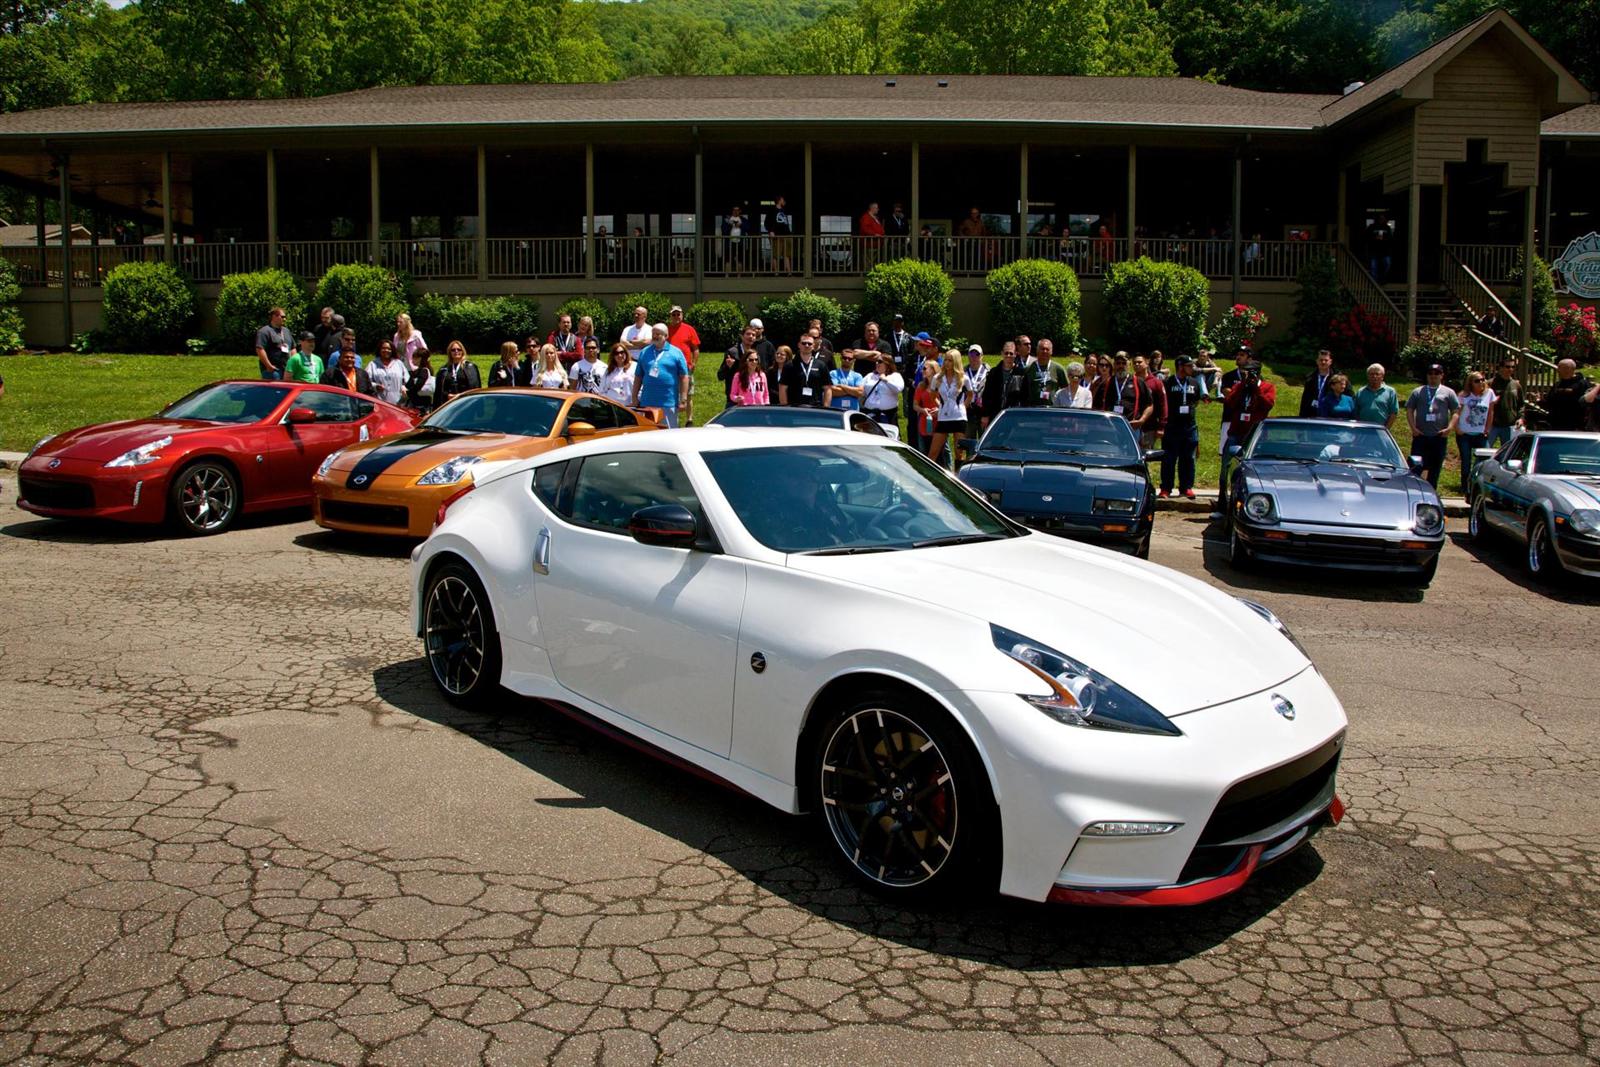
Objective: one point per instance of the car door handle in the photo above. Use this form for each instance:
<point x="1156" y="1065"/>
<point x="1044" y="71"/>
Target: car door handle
<point x="541" y="552"/>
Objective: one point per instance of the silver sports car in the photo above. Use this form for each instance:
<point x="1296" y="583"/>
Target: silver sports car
<point x="1332" y="494"/>
<point x="1543" y="490"/>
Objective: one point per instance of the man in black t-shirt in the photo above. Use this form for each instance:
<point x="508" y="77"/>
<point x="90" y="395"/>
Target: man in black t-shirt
<point x="866" y="350"/>
<point x="1564" y="400"/>
<point x="806" y="382"/>
<point x="1181" y="436"/>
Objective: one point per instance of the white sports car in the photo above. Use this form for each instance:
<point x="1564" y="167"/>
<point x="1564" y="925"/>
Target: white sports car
<point x="833" y="624"/>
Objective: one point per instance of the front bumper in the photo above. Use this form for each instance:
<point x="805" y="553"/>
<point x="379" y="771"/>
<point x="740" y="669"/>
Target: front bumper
<point x="1338" y="547"/>
<point x="83" y="489"/>
<point x="1579" y="553"/>
<point x="393" y="506"/>
<point x="1089" y="529"/>
<point x="1052" y="781"/>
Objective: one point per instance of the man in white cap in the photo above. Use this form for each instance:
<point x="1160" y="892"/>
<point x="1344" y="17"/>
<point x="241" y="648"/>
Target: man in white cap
<point x="763" y="346"/>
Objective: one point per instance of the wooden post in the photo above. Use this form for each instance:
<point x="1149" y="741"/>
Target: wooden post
<point x="272" y="207"/>
<point x="916" y="194"/>
<point x="95" y="223"/>
<point x="1133" y="194"/>
<point x="1413" y="254"/>
<point x="1022" y="200"/>
<point x="38" y="233"/>
<point x="374" y="250"/>
<point x="1238" y="219"/>
<point x="591" y="245"/>
<point x="66" y="250"/>
<point x="806" y="251"/>
<point x="1444" y="211"/>
<point x="1341" y="229"/>
<point x="1530" y="213"/>
<point x="1549" y="206"/>
<point x="483" y="220"/>
<point x="699" y="213"/>
<point x="166" y="206"/>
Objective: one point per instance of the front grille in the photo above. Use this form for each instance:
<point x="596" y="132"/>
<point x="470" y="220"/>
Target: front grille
<point x="1329" y="549"/>
<point x="390" y="515"/>
<point x="67" y="496"/>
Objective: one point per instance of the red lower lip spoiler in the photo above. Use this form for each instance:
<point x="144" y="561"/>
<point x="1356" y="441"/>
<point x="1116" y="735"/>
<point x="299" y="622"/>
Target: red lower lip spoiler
<point x="1178" y="895"/>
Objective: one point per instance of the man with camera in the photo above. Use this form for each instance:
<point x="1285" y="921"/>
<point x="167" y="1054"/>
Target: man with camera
<point x="1245" y="407"/>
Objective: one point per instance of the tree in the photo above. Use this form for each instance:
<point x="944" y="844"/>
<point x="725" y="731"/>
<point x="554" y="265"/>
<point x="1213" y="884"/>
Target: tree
<point x="1034" y="37"/>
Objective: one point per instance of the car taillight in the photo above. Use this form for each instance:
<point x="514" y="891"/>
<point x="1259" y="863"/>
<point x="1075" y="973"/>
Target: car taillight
<point x="444" y="505"/>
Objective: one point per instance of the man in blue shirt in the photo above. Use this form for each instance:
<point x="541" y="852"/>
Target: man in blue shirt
<point x="846" y="384"/>
<point x="662" y="378"/>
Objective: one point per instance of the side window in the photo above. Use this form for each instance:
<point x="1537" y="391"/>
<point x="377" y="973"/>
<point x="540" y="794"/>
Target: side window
<point x="862" y="424"/>
<point x="330" y="407"/>
<point x="1520" y="448"/>
<point x="594" y="411"/>
<point x="547" y="484"/>
<point x="610" y="488"/>
<point x="363" y="408"/>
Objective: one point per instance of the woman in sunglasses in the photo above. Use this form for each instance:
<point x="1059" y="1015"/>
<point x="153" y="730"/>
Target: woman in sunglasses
<point x="618" y="382"/>
<point x="750" y="386"/>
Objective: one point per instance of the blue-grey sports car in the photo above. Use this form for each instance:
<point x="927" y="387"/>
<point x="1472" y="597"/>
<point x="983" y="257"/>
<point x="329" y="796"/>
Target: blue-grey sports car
<point x="1067" y="471"/>
<point x="1332" y="494"/>
<point x="1542" y="490"/>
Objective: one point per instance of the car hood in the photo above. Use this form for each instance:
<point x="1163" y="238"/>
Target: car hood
<point x="1577" y="491"/>
<point x="1070" y="488"/>
<point x="1176" y="642"/>
<point x="417" y="451"/>
<point x="1338" y="494"/>
<point x="109" y="440"/>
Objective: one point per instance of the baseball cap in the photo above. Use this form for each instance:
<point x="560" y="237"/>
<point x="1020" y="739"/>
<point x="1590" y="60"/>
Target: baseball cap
<point x="923" y="338"/>
<point x="757" y="324"/>
<point x="1183" y="361"/>
<point x="974" y="350"/>
<point x="675" y="307"/>
<point x="898" y="317"/>
<point x="307" y="335"/>
<point x="1436" y="368"/>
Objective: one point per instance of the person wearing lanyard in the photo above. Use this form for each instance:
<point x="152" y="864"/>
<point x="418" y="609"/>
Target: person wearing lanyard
<point x="1181" y="436"/>
<point x="976" y="373"/>
<point x="805" y="382"/>
<point x="662" y="380"/>
<point x="1432" y="410"/>
<point x="1121" y="396"/>
<point x="880" y="391"/>
<point x="1316" y="384"/>
<point x="1248" y="403"/>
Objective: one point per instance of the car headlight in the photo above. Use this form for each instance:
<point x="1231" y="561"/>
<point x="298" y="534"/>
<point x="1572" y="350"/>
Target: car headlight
<point x="1276" y="623"/>
<point x="40" y="443"/>
<point x="1080" y="696"/>
<point x="1115" y="507"/>
<point x="1259" y="507"/>
<point x="327" y="464"/>
<point x="138" y="457"/>
<point x="1430" y="519"/>
<point x="1586" y="521"/>
<point x="450" y="471"/>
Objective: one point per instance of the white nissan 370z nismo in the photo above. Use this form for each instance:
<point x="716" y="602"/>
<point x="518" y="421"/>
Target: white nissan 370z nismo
<point x="834" y="624"/>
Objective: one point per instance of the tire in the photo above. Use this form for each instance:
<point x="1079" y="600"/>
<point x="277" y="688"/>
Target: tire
<point x="459" y="640"/>
<point x="1241" y="558"/>
<point x="1543" y="563"/>
<point x="204" y="498"/>
<point x="1143" y="549"/>
<point x="1477" y="522"/>
<point x="917" y="828"/>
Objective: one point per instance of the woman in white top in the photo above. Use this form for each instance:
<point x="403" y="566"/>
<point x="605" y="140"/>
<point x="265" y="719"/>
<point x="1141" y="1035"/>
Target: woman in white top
<point x="1474" y="426"/>
<point x="550" y="375"/>
<point x="388" y="374"/>
<point x="950" y="387"/>
<point x="407" y="339"/>
<point x="880" y="391"/>
<point x="1076" y="393"/>
<point x="618" y="382"/>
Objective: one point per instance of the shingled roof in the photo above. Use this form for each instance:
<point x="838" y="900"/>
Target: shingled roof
<point x="1579" y="122"/>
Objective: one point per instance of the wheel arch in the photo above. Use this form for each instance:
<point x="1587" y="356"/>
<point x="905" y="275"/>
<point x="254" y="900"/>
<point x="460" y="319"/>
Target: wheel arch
<point x="203" y="455"/>
<point x="439" y="559"/>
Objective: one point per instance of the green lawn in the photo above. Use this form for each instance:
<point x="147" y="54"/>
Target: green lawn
<point x="49" y="393"/>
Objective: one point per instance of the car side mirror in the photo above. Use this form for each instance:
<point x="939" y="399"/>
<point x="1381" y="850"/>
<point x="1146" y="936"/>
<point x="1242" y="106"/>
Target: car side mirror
<point x="1155" y="454"/>
<point x="1234" y="450"/>
<point x="1514" y="465"/>
<point x="302" y="415"/>
<point x="664" y="524"/>
<point x="580" y="429"/>
<point x="1415" y="463"/>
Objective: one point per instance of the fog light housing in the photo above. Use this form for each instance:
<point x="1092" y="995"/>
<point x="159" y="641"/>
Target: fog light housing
<point x="1119" y="828"/>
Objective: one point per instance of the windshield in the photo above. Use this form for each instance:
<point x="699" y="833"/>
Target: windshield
<point x="1326" y="443"/>
<point x="1568" y="455"/>
<point x="229" y="402"/>
<point x="778" y="416"/>
<point x="526" y="414"/>
<point x="1065" y="432"/>
<point x="842" y="498"/>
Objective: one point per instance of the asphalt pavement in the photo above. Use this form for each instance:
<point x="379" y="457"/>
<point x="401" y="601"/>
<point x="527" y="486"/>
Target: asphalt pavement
<point x="238" y="826"/>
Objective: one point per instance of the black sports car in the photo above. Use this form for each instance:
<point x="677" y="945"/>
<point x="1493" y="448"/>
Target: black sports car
<point x="1067" y="471"/>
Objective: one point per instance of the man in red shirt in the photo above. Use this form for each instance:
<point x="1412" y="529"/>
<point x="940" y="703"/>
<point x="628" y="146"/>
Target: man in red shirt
<point x="1247" y="404"/>
<point x="1152" y="418"/>
<point x="683" y="337"/>
<point x="871" y="230"/>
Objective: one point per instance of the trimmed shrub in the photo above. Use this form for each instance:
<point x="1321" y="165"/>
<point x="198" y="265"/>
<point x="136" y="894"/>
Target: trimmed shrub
<point x="918" y="289"/>
<point x="244" y="301"/>
<point x="1237" y="327"/>
<point x="1038" y="297"/>
<point x="1320" y="299"/>
<point x="10" y="315"/>
<point x="368" y="297"/>
<point x="1445" y="345"/>
<point x="785" y="316"/>
<point x="1156" y="305"/>
<point x="850" y="323"/>
<point x="657" y="304"/>
<point x="718" y="322"/>
<point x="146" y="307"/>
<point x="482" y="325"/>
<point x="579" y="306"/>
<point x="1546" y="308"/>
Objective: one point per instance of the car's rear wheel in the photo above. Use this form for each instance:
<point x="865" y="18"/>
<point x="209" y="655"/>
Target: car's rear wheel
<point x="905" y="800"/>
<point x="205" y="498"/>
<point x="1543" y="563"/>
<point x="1477" y="522"/>
<point x="1239" y="554"/>
<point x="459" y="637"/>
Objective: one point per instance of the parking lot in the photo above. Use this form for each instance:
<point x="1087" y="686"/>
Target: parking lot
<point x="238" y="825"/>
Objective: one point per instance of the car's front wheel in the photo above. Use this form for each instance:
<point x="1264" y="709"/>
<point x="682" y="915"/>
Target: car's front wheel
<point x="1477" y="522"/>
<point x="1543" y="563"/>
<point x="205" y="498"/>
<point x="905" y="800"/>
<point x="1239" y="554"/>
<point x="459" y="636"/>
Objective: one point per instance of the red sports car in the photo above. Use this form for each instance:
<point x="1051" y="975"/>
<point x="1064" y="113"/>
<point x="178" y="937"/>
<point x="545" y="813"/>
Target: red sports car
<point x="224" y="449"/>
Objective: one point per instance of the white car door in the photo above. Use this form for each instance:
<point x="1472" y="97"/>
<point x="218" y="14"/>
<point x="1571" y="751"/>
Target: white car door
<point x="648" y="631"/>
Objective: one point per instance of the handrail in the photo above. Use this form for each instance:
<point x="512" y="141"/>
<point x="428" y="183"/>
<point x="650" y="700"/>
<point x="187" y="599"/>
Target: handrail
<point x="1533" y="370"/>
<point x="1366" y="290"/>
<point x="1464" y="284"/>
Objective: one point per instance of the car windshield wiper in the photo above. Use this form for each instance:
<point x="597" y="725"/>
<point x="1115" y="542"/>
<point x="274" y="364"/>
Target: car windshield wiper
<point x="850" y="550"/>
<point x="955" y="539"/>
<point x="996" y="448"/>
<point x="1366" y="463"/>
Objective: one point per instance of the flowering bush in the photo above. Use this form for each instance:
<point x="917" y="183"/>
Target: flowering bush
<point x="1447" y="346"/>
<point x="1238" y="327"/>
<point x="1576" y="333"/>
<point x="1359" y="337"/>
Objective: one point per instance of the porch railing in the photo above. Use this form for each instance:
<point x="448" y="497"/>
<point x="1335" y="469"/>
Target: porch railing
<point x="732" y="257"/>
<point x="1493" y="264"/>
<point x="211" y="262"/>
<point x="536" y="257"/>
<point x="1366" y="291"/>
<point x="311" y="259"/>
<point x="432" y="257"/>
<point x="1464" y="284"/>
<point x="87" y="265"/>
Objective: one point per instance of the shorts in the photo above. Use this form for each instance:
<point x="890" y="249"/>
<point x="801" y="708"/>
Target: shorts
<point x="669" y="418"/>
<point x="888" y="416"/>
<point x="950" y="426"/>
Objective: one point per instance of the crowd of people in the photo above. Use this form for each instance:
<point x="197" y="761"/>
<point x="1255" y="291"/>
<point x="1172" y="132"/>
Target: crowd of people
<point x="943" y="395"/>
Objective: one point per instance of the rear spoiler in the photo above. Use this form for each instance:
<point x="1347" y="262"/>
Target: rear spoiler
<point x="656" y="416"/>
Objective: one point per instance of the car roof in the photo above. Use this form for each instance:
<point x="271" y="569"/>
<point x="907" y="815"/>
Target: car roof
<point x="1292" y="420"/>
<point x="1581" y="435"/>
<point x="724" y="438"/>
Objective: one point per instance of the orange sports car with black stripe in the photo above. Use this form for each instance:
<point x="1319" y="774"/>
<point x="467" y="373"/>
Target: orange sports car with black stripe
<point x="395" y="485"/>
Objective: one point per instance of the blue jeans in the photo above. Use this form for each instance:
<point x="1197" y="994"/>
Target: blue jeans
<point x="1499" y="436"/>
<point x="1465" y="443"/>
<point x="273" y="375"/>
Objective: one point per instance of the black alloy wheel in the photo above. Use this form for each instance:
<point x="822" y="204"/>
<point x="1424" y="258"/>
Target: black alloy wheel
<point x="904" y="799"/>
<point x="459" y="637"/>
<point x="205" y="498"/>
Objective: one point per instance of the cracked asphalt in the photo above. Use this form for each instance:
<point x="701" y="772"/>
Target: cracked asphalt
<point x="238" y="827"/>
